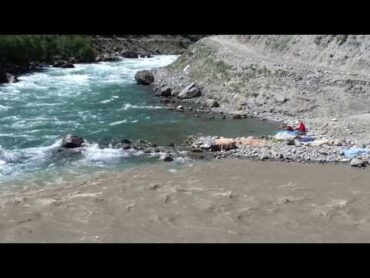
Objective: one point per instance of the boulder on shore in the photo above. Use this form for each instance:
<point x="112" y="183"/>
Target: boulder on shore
<point x="144" y="77"/>
<point x="72" y="141"/>
<point x="357" y="162"/>
<point x="190" y="91"/>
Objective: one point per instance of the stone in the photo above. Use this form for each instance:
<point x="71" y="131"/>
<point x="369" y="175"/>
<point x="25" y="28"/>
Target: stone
<point x="72" y="141"/>
<point x="144" y="77"/>
<point x="141" y="144"/>
<point x="239" y="116"/>
<point x="129" y="54"/>
<point x="212" y="103"/>
<point x="225" y="144"/>
<point x="165" y="92"/>
<point x="7" y="77"/>
<point x="357" y="162"/>
<point x="290" y="142"/>
<point x="166" y="157"/>
<point x="281" y="99"/>
<point x="190" y="91"/>
<point x="180" y="108"/>
<point x="63" y="64"/>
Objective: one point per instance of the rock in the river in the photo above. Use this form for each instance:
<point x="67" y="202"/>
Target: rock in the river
<point x="141" y="144"/>
<point x="129" y="54"/>
<point x="63" y="64"/>
<point x="357" y="162"/>
<point x="144" y="77"/>
<point x="72" y="141"/>
<point x="190" y="91"/>
<point x="107" y="58"/>
<point x="126" y="144"/>
<point x="180" y="108"/>
<point x="166" y="157"/>
<point x="7" y="77"/>
<point x="212" y="103"/>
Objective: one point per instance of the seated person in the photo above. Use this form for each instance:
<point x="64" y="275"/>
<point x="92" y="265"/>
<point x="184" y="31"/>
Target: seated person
<point x="301" y="128"/>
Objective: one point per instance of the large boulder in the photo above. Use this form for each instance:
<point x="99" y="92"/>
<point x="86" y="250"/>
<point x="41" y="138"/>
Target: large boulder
<point x="72" y="141"/>
<point x="190" y="91"/>
<point x="144" y="77"/>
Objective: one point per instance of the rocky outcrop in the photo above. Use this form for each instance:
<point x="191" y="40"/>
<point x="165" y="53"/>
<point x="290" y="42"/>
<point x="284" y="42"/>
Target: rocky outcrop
<point x="72" y="141"/>
<point x="144" y="77"/>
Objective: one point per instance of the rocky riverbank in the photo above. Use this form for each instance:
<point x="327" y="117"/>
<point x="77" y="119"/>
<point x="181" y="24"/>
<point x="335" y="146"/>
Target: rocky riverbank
<point x="223" y="77"/>
<point x="271" y="85"/>
<point x="108" y="48"/>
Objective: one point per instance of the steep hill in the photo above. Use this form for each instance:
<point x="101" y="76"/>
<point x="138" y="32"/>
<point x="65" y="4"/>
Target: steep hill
<point x="324" y="80"/>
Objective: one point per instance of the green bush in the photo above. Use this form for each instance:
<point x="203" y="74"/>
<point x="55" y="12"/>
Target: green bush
<point x="21" y="49"/>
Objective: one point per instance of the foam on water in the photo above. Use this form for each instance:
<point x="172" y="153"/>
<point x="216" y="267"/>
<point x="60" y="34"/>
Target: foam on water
<point x="128" y="106"/>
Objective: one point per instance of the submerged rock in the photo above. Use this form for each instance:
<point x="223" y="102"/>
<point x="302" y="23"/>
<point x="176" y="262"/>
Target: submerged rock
<point x="144" y="77"/>
<point x="72" y="141"/>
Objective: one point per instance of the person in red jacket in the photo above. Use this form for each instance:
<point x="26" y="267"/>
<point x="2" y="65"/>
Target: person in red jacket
<point x="301" y="128"/>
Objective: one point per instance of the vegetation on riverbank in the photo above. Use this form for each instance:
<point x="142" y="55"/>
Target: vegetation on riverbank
<point x="22" y="49"/>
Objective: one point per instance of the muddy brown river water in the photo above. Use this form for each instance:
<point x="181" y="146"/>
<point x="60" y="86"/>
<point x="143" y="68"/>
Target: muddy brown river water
<point x="217" y="201"/>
